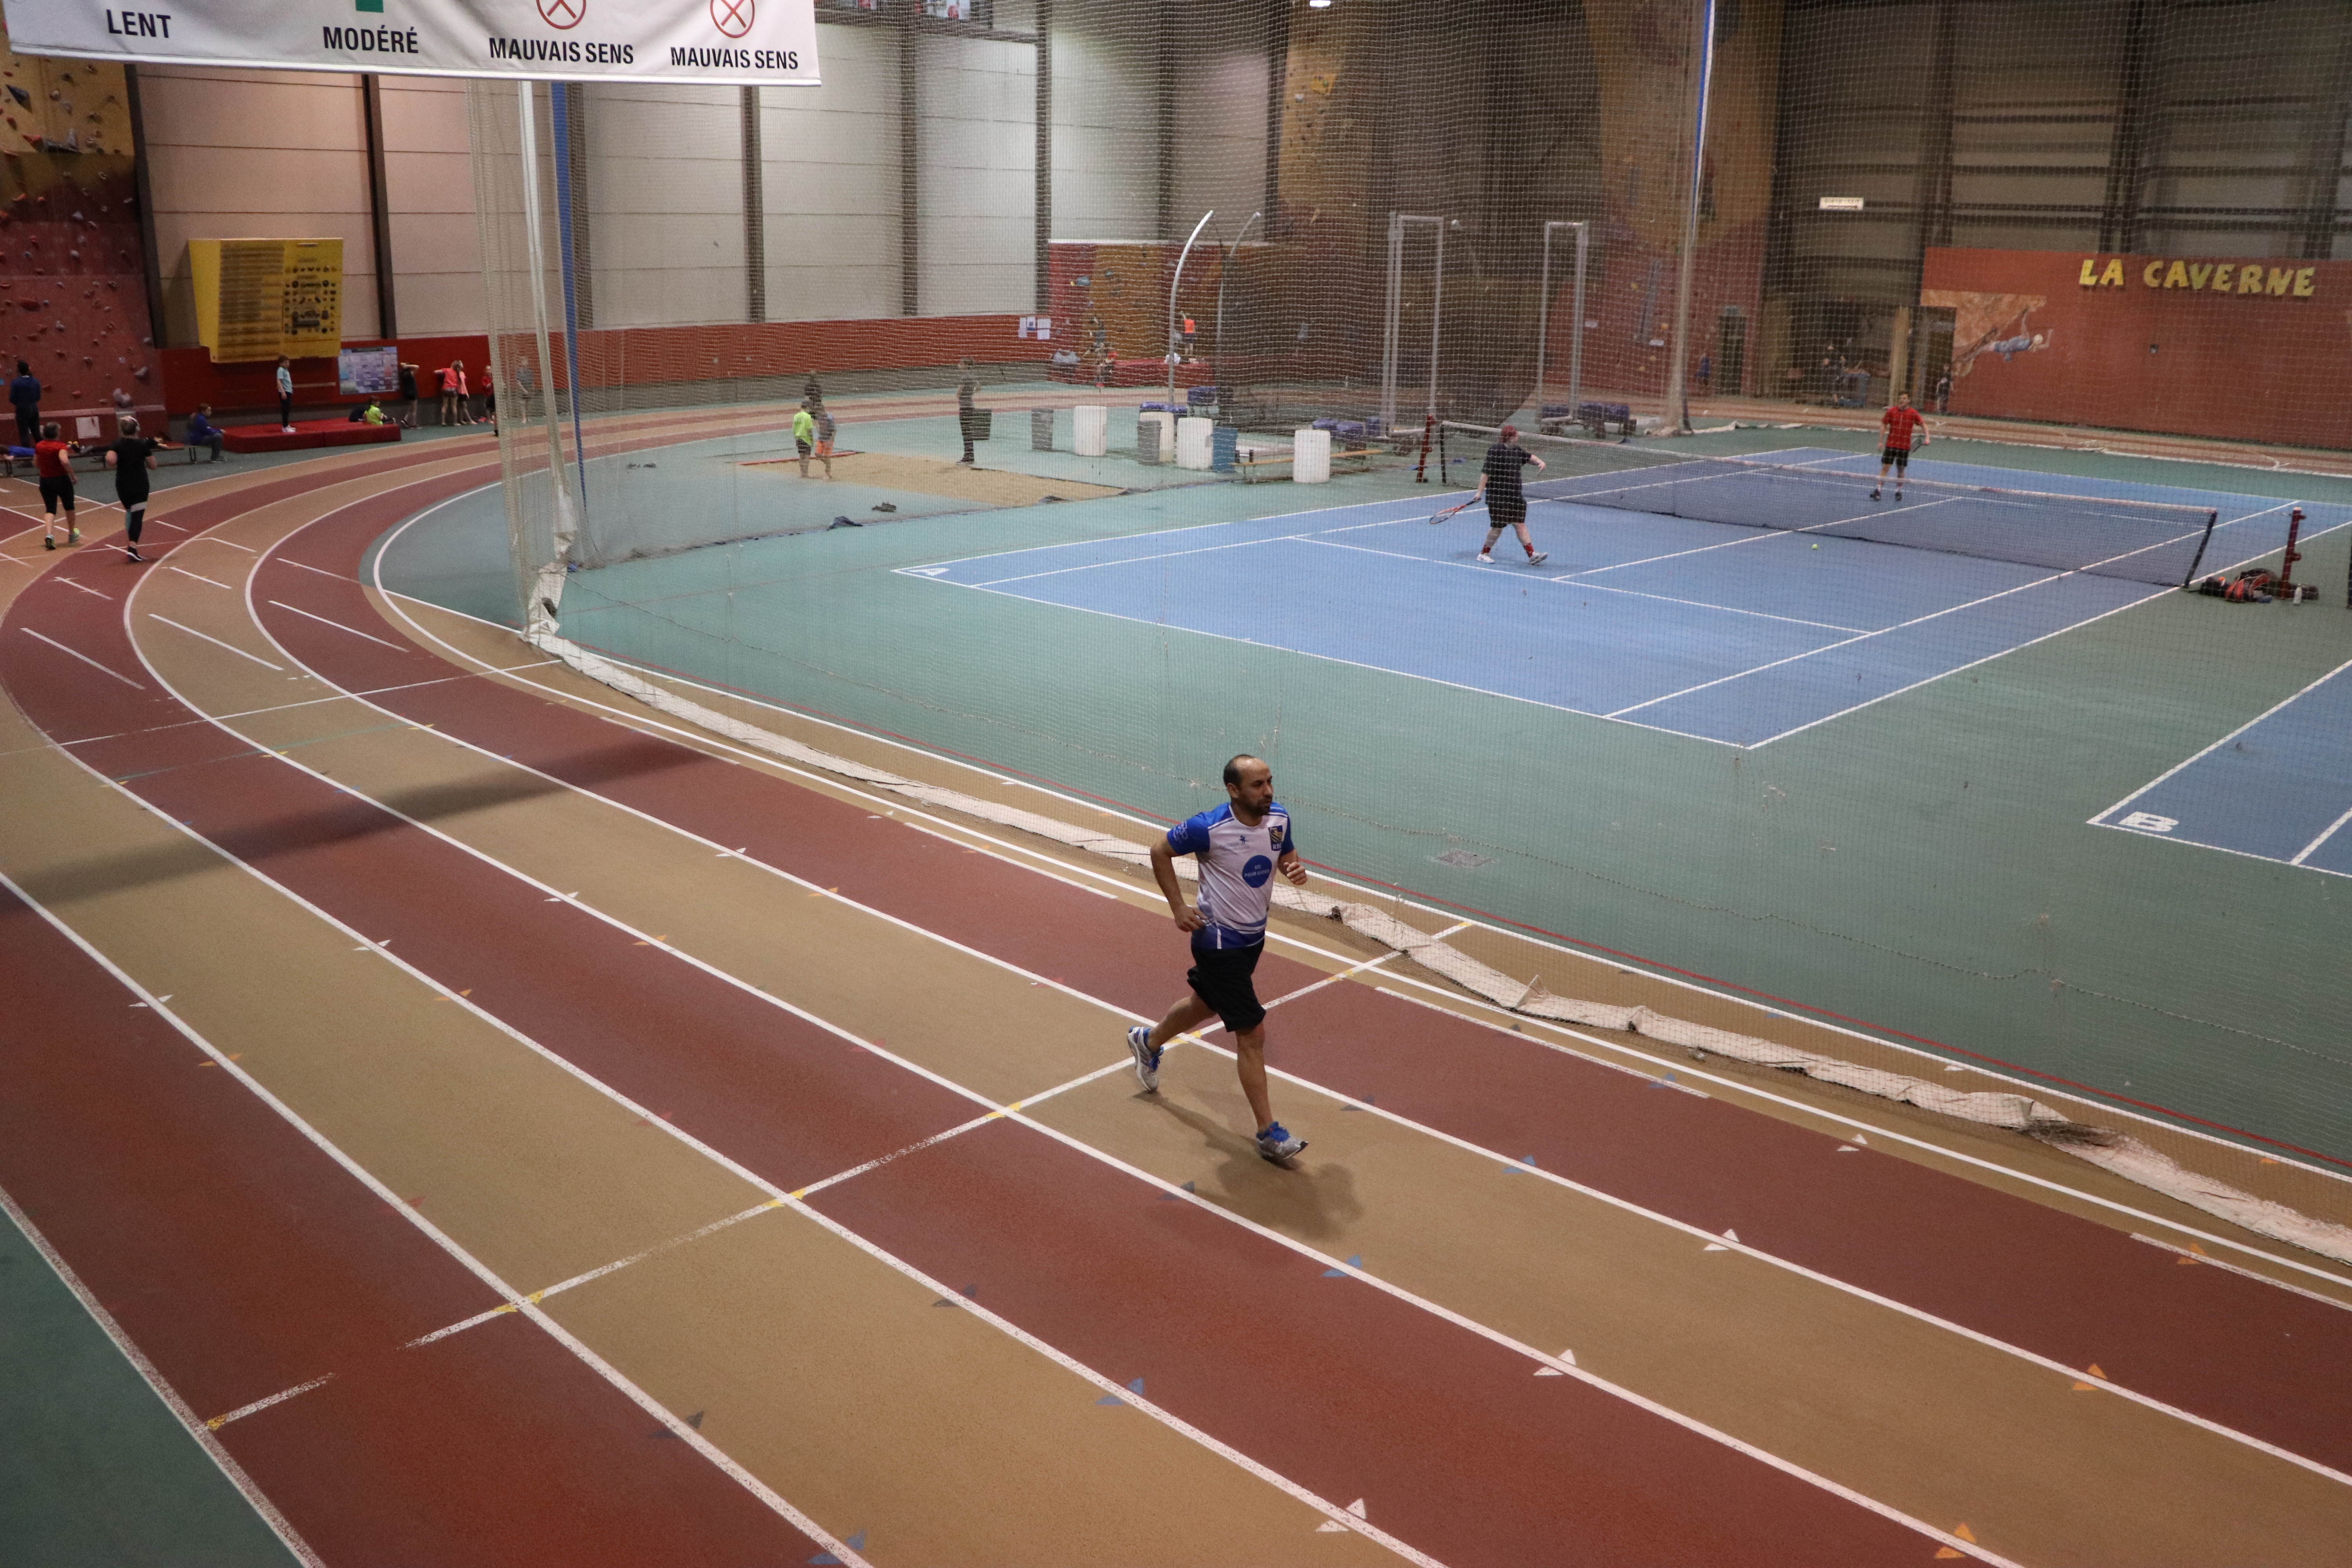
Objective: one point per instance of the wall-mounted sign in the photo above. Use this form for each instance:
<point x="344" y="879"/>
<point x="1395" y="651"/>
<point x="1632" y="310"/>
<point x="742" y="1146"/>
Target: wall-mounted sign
<point x="1841" y="203"/>
<point x="740" y="43"/>
<point x="258" y="299"/>
<point x="2246" y="280"/>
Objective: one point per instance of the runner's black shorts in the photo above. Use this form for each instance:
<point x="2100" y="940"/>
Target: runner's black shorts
<point x="1506" y="511"/>
<point x="804" y="445"/>
<point x="55" y="489"/>
<point x="1221" y="977"/>
<point x="1898" y="456"/>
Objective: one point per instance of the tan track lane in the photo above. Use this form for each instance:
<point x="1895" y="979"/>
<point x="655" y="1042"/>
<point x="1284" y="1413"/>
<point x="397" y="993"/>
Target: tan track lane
<point x="848" y="1393"/>
<point x="1910" y="1412"/>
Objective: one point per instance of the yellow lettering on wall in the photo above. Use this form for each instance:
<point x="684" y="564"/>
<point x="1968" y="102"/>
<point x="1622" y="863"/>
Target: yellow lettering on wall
<point x="2151" y="274"/>
<point x="2089" y="280"/>
<point x="2113" y="277"/>
<point x="2250" y="277"/>
<point x="2177" y="276"/>
<point x="2305" y="286"/>
<point x="2199" y="272"/>
<point x="2282" y="278"/>
<point x="2222" y="276"/>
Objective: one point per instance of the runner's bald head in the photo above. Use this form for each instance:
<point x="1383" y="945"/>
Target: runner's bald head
<point x="1235" y="770"/>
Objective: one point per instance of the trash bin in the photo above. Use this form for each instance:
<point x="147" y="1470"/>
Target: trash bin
<point x="1041" y="429"/>
<point x="1224" y="447"/>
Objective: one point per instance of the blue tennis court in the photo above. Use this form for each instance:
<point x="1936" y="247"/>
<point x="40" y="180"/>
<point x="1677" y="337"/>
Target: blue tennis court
<point x="1711" y="630"/>
<point x="2279" y="788"/>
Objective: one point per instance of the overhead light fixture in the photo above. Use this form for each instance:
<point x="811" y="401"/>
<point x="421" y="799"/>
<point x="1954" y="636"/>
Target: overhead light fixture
<point x="1319" y="5"/>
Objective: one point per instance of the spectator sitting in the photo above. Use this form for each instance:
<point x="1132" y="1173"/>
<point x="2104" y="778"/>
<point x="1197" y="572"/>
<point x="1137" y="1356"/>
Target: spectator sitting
<point x="374" y="413"/>
<point x="203" y="432"/>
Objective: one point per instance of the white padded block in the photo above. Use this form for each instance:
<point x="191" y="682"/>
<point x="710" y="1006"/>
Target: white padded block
<point x="1093" y="437"/>
<point x="1310" y="456"/>
<point x="1192" y="442"/>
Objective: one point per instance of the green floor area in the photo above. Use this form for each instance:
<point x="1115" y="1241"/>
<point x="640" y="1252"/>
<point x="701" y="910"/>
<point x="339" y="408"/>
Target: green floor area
<point x="95" y="1470"/>
<point x="1921" y="866"/>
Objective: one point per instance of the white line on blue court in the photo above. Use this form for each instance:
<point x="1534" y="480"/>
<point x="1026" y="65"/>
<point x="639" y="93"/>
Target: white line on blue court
<point x="1760" y="533"/>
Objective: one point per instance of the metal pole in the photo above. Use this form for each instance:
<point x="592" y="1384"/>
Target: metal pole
<point x="1677" y="393"/>
<point x="1436" y="315"/>
<point x="1389" y="330"/>
<point x="1576" y="338"/>
<point x="1174" y="284"/>
<point x="1217" y="364"/>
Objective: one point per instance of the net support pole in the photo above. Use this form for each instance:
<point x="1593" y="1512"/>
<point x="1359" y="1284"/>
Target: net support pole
<point x="1543" y="319"/>
<point x="1678" y="373"/>
<point x="2204" y="542"/>
<point x="559" y="101"/>
<point x="539" y="615"/>
<point x="1174" y="284"/>
<point x="1225" y="271"/>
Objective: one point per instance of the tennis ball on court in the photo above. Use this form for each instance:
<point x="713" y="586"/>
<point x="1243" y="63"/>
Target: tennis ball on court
<point x="1817" y="547"/>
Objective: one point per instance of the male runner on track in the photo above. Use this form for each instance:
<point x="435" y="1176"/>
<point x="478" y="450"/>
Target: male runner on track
<point x="1900" y="421"/>
<point x="1506" y="504"/>
<point x="1240" y="844"/>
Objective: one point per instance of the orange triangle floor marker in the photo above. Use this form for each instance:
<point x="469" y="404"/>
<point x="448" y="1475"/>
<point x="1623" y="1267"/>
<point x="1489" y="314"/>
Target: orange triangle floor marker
<point x="2096" y="1372"/>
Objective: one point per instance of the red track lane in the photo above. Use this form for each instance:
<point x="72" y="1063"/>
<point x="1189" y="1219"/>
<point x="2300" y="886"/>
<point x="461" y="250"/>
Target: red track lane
<point x="2261" y="1359"/>
<point x="765" y="1089"/>
<point x="1452" y="1442"/>
<point x="243" y="1261"/>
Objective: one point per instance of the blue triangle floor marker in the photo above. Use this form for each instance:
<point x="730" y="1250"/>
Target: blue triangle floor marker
<point x="1355" y="1262"/>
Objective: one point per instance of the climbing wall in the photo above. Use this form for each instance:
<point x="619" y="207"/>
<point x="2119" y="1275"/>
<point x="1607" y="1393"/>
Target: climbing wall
<point x="73" y="294"/>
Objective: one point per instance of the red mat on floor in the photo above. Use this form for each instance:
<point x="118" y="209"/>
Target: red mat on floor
<point x="306" y="433"/>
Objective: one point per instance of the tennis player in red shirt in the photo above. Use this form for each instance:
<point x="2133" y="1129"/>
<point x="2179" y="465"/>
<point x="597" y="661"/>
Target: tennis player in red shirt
<point x="1901" y="421"/>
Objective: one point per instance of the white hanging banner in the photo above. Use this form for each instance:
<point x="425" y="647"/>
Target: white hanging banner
<point x="732" y="43"/>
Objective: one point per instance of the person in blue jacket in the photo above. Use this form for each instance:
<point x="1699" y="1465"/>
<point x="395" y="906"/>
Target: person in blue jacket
<point x="26" y="394"/>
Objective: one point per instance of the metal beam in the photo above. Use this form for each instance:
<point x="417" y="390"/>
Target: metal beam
<point x="910" y="131"/>
<point x="151" y="264"/>
<point x="1042" y="202"/>
<point x="2132" y="151"/>
<point x="387" y="313"/>
<point x="755" y="212"/>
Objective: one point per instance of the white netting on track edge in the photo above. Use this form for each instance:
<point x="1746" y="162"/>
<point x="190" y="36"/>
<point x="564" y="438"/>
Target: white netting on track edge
<point x="2112" y="1152"/>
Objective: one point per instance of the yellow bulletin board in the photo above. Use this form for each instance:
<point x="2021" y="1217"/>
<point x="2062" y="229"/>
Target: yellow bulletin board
<point x="258" y="299"/>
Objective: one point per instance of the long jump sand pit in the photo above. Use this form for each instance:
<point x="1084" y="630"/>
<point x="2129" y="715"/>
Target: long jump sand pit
<point x="982" y="487"/>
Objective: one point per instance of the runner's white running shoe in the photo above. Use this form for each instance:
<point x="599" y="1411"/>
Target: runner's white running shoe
<point x="1277" y="1144"/>
<point x="1147" y="1059"/>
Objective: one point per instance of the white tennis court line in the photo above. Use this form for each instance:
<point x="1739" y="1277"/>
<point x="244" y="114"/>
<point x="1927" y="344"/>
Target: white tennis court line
<point x="1750" y="535"/>
<point x="2292" y="697"/>
<point x="1012" y="1110"/>
<point x="1701" y="604"/>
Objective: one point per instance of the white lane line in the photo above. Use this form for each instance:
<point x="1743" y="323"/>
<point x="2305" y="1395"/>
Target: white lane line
<point x="2199" y="1254"/>
<point x="214" y="538"/>
<point x="86" y="659"/>
<point x="467" y="1260"/>
<point x="218" y="643"/>
<point x="1060" y="1358"/>
<point x="943" y="1082"/>
<point x="321" y="570"/>
<point x="84" y="588"/>
<point x="198" y="576"/>
<point x="2306" y="688"/>
<point x="280" y="1397"/>
<point x="1082" y="877"/>
<point x="337" y="624"/>
<point x="188" y="1419"/>
<point x="1132" y="560"/>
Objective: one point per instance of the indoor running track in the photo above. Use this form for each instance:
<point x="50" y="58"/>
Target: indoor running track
<point x="563" y="1123"/>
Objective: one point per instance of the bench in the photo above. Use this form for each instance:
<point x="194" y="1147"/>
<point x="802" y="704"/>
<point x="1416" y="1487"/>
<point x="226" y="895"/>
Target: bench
<point x="1282" y="461"/>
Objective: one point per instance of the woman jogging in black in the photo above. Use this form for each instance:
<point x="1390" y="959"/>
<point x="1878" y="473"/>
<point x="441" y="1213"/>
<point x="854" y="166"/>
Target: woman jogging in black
<point x="131" y="457"/>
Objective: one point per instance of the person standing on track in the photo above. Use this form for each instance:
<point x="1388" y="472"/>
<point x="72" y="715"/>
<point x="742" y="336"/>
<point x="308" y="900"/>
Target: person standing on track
<point x="1901" y="421"/>
<point x="1240" y="846"/>
<point x="1506" y="504"/>
<point x="50" y="462"/>
<point x="131" y="457"/>
<point x="804" y="434"/>
<point x="967" y="409"/>
<point x="825" y="428"/>
<point x="24" y="393"/>
<point x="285" y="395"/>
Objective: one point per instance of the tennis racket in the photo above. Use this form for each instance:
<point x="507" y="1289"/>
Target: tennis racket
<point x="1451" y="510"/>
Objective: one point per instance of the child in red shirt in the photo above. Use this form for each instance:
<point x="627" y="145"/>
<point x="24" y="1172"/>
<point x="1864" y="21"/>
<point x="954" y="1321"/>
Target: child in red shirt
<point x="49" y="455"/>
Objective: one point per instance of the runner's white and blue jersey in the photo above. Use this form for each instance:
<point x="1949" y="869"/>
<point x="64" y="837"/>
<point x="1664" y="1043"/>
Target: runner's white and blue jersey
<point x="1237" y="870"/>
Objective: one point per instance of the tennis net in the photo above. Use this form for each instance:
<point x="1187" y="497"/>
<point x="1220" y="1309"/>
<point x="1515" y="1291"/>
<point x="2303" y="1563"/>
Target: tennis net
<point x="2139" y="542"/>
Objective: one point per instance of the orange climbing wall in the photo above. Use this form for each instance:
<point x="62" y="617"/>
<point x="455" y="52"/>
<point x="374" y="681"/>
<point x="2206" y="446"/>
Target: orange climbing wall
<point x="73" y="294"/>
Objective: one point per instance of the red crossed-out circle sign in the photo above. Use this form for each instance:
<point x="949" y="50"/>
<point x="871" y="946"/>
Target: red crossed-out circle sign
<point x="562" y="14"/>
<point x="732" y="17"/>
